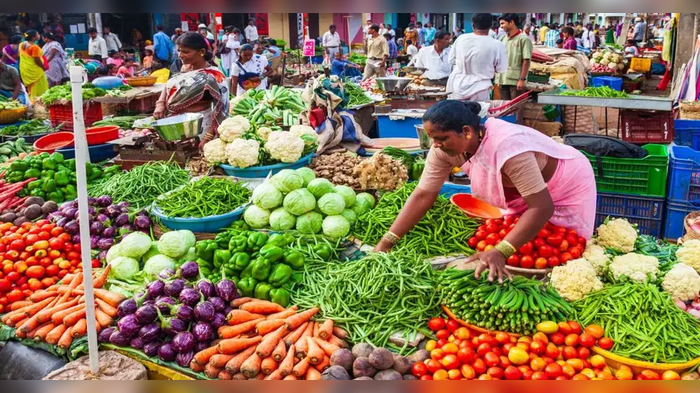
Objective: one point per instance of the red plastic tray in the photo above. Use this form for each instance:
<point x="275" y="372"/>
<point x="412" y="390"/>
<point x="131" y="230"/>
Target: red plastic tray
<point x="92" y="112"/>
<point x="642" y="127"/>
<point x="100" y="135"/>
<point x="53" y="142"/>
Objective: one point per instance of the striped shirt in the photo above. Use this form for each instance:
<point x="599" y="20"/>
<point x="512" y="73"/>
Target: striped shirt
<point x="551" y="38"/>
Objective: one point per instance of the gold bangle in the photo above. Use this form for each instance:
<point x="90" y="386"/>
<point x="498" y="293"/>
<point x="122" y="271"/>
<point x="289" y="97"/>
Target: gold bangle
<point x="391" y="237"/>
<point x="505" y="248"/>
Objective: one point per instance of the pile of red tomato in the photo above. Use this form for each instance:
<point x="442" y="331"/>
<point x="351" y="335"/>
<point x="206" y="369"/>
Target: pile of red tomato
<point x="552" y="247"/>
<point x="34" y="256"/>
<point x="556" y="352"/>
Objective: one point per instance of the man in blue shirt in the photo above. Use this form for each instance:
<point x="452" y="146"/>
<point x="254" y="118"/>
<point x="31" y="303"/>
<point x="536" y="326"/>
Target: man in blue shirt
<point x="342" y="67"/>
<point x="429" y="33"/>
<point x="421" y="35"/>
<point x="162" y="46"/>
<point x="552" y="36"/>
<point x="393" y="50"/>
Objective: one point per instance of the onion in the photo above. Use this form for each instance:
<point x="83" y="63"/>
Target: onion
<point x="680" y="304"/>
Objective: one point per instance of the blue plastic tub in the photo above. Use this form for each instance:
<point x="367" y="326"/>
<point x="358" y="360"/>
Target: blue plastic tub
<point x="262" y="171"/>
<point x="684" y="175"/>
<point x="612" y="82"/>
<point x="200" y="225"/>
<point x="674" y="227"/>
<point x="28" y="139"/>
<point x="646" y="212"/>
<point x="98" y="153"/>
<point x="400" y="128"/>
<point x="687" y="133"/>
<point x="449" y="189"/>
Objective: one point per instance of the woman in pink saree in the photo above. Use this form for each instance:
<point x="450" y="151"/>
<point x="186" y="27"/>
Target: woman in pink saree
<point x="512" y="167"/>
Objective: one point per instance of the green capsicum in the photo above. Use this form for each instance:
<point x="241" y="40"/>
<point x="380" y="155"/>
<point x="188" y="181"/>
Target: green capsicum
<point x="70" y="192"/>
<point x="19" y="166"/>
<point x="56" y="196"/>
<point x="281" y="273"/>
<point x="238" y="244"/>
<point x="95" y="173"/>
<point x="261" y="269"/>
<point x="276" y="239"/>
<point x="240" y="224"/>
<point x="38" y="193"/>
<point x="271" y="253"/>
<point x="70" y="163"/>
<point x="247" y="286"/>
<point x="280" y="296"/>
<point x="248" y="271"/>
<point x="323" y="251"/>
<point x="48" y="174"/>
<point x="417" y="169"/>
<point x="61" y="178"/>
<point x="221" y="257"/>
<point x="205" y="249"/>
<point x="239" y="261"/>
<point x="294" y="259"/>
<point x="57" y="158"/>
<point x="49" y="185"/>
<point x="256" y="240"/>
<point x="262" y="291"/>
<point x="34" y="184"/>
<point x="32" y="172"/>
<point x="48" y="163"/>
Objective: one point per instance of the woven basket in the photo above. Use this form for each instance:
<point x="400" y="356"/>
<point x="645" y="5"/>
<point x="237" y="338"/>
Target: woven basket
<point x="9" y="116"/>
<point x="690" y="110"/>
<point x="690" y="233"/>
<point x="142" y="81"/>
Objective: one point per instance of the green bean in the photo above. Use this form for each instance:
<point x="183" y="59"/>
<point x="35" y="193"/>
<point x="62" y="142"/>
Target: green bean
<point x="204" y="197"/>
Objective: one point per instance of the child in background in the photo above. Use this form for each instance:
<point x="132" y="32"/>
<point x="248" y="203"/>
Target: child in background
<point x="560" y="43"/>
<point x="111" y="69"/>
<point x="158" y="71"/>
<point x="148" y="59"/>
<point x="115" y="58"/>
<point x="126" y="70"/>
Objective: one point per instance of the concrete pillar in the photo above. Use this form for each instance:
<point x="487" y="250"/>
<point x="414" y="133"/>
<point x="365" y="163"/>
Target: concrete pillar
<point x="688" y="29"/>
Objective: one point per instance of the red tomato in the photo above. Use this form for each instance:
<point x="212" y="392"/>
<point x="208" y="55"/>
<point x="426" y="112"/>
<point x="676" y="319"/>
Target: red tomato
<point x="492" y="239"/>
<point x="539" y="376"/>
<point x="495" y="372"/>
<point x="56" y="244"/>
<point x="481" y="245"/>
<point x="441" y="342"/>
<point x="545" y="251"/>
<point x="450" y="362"/>
<point x="582" y="242"/>
<point x="543" y="233"/>
<point x="472" y="242"/>
<point x="31" y="239"/>
<point x="503" y="233"/>
<point x="48" y="281"/>
<point x="512" y="373"/>
<point x="552" y="351"/>
<point x="15" y="295"/>
<point x="479" y="366"/>
<point x="491" y="359"/>
<point x="513" y="260"/>
<point x="575" y="252"/>
<point x="426" y="378"/>
<point x="575" y="327"/>
<point x="44" y="235"/>
<point x="586" y="340"/>
<point x="527" y="262"/>
<point x="553" y="262"/>
<point x="18" y="245"/>
<point x="483" y="349"/>
<point x="466" y="355"/>
<point x="76" y="255"/>
<point x="96" y="263"/>
<point x="605" y="343"/>
<point x="492" y="228"/>
<point x="584" y="353"/>
<point x="481" y="235"/>
<point x="569" y="353"/>
<point x="5" y="285"/>
<point x="442" y="334"/>
<point x="541" y="263"/>
<point x="35" y="272"/>
<point x="433" y="365"/>
<point x="54" y="254"/>
<point x="572" y="340"/>
<point x="434" y="324"/>
<point x="452" y="325"/>
<point x="419" y="369"/>
<point x="555" y="240"/>
<point x="539" y="242"/>
<point x="553" y="370"/>
<point x="66" y="237"/>
<point x="572" y="239"/>
<point x="35" y="285"/>
<point x="537" y="347"/>
<point x="564" y="246"/>
<point x="13" y="276"/>
<point x="526" y="249"/>
<point x="565" y="257"/>
<point x="12" y="255"/>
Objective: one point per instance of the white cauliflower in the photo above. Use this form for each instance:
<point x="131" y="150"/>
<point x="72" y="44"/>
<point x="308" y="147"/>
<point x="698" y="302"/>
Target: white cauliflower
<point x="215" y="151"/>
<point x="299" y="130"/>
<point x="243" y="153"/>
<point x="616" y="58"/>
<point x="689" y="254"/>
<point x="597" y="257"/>
<point x="612" y="66"/>
<point x="617" y="234"/>
<point x="284" y="147"/>
<point x="607" y="55"/>
<point x="605" y="61"/>
<point x="620" y="66"/>
<point x="233" y="128"/>
<point x="638" y="268"/>
<point x="575" y="280"/>
<point x="682" y="282"/>
<point x="264" y="132"/>
<point x="597" y="55"/>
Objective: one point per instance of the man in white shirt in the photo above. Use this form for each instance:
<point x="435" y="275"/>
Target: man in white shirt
<point x="391" y="31"/>
<point x="97" y="47"/>
<point x="477" y="58"/>
<point x="251" y="32"/>
<point x="111" y="39"/>
<point x="411" y="49"/>
<point x="331" y="42"/>
<point x="210" y="36"/>
<point x="366" y="28"/>
<point x="436" y="58"/>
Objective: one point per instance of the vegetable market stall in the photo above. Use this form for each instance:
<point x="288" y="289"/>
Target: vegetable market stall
<point x="139" y="99"/>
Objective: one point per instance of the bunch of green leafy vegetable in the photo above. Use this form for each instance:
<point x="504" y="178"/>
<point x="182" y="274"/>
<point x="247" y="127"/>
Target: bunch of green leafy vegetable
<point x="64" y="93"/>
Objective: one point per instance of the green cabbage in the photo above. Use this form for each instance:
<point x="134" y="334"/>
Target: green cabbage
<point x="307" y="174"/>
<point x="319" y="187"/>
<point x="348" y="195"/>
<point x="287" y="180"/>
<point x="190" y="255"/>
<point x="368" y="197"/>
<point x="173" y="244"/>
<point x="256" y="217"/>
<point x="157" y="264"/>
<point x="134" y="245"/>
<point x="361" y="206"/>
<point x="309" y="223"/>
<point x="123" y="268"/>
<point x="151" y="252"/>
<point x="113" y="253"/>
<point x="281" y="219"/>
<point x="189" y="237"/>
<point x="336" y="227"/>
<point x="331" y="204"/>
<point x="299" y="202"/>
<point x="350" y="216"/>
<point x="267" y="196"/>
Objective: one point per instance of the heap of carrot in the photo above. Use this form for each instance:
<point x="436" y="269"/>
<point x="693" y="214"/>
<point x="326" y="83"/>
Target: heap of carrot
<point x="57" y="315"/>
<point x="263" y="340"/>
<point x="8" y="192"/>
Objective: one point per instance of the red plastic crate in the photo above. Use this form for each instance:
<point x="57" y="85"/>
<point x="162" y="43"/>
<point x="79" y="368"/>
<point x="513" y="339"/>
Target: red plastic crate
<point x="92" y="112"/>
<point x="143" y="105"/>
<point x="644" y="127"/>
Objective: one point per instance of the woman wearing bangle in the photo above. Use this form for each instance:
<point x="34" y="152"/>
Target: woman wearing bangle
<point x="512" y="167"/>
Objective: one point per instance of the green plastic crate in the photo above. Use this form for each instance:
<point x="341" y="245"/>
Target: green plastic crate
<point x="633" y="176"/>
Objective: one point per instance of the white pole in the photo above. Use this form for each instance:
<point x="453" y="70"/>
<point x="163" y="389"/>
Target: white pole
<point x="77" y="75"/>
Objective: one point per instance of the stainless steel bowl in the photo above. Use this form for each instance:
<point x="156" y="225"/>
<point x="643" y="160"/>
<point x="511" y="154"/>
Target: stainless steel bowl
<point x="414" y="71"/>
<point x="395" y="85"/>
<point x="174" y="128"/>
<point x="424" y="140"/>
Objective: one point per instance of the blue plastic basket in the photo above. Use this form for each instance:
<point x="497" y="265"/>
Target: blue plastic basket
<point x="262" y="171"/>
<point x="687" y="133"/>
<point x="612" y="82"/>
<point x="684" y="174"/>
<point x="646" y="212"/>
<point x="199" y="225"/>
<point x="97" y="153"/>
<point x="449" y="189"/>
<point x="674" y="227"/>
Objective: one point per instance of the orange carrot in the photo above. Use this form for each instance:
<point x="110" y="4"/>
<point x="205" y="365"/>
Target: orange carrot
<point x="106" y="308"/>
<point x="41" y="333"/>
<point x="323" y="364"/>
<point x="32" y="333"/>
<point x="234" y="345"/>
<point x="315" y="330"/>
<point x="239" y="377"/>
<point x="296" y="320"/>
<point x="225" y="375"/>
<point x="202" y="357"/>
<point x="236" y="330"/>
<point x="302" y="344"/>
<point x="29" y="324"/>
<point x="219" y="360"/>
<point x="66" y="339"/>
<point x="39" y="296"/>
<point x="280" y="351"/>
<point x="301" y="367"/>
<point x="284" y="314"/>
<point x="260" y="376"/>
<point x="251" y="367"/>
<point x="288" y="362"/>
<point x="290" y="377"/>
<point x="340" y="332"/>
<point x="274" y="376"/>
<point x="327" y="347"/>
<point x="36" y="307"/>
<point x="314" y="351"/>
<point x="80" y="328"/>
<point x="55" y="334"/>
<point x="102" y="318"/>
<point x="196" y="367"/>
<point x="292" y="337"/>
<point x="21" y="304"/>
<point x="111" y="298"/>
<point x="46" y="314"/>
<point x="312" y="375"/>
<point x="338" y="342"/>
<point x="234" y="365"/>
<point x="270" y="341"/>
<point x="75" y="316"/>
<point x="74" y="282"/>
<point x="211" y="371"/>
<point x="16" y="319"/>
<point x="325" y="330"/>
<point x="57" y="318"/>
<point x="268" y="365"/>
<point x="265" y="327"/>
<point x="262" y="307"/>
<point x="236" y="317"/>
<point x="99" y="282"/>
<point x="241" y="301"/>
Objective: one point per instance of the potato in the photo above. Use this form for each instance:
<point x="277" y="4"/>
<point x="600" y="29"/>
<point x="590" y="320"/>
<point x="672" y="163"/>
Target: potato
<point x="335" y="373"/>
<point x="363" y="379"/>
<point x="694" y="376"/>
<point x="401" y="364"/>
<point x="409" y="377"/>
<point x="362" y="350"/>
<point x="362" y="368"/>
<point x="343" y="358"/>
<point x="381" y="359"/>
<point x="419" y="356"/>
<point x="388" y="375"/>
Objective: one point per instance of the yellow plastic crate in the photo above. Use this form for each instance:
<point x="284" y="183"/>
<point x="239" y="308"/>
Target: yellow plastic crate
<point x="640" y="64"/>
